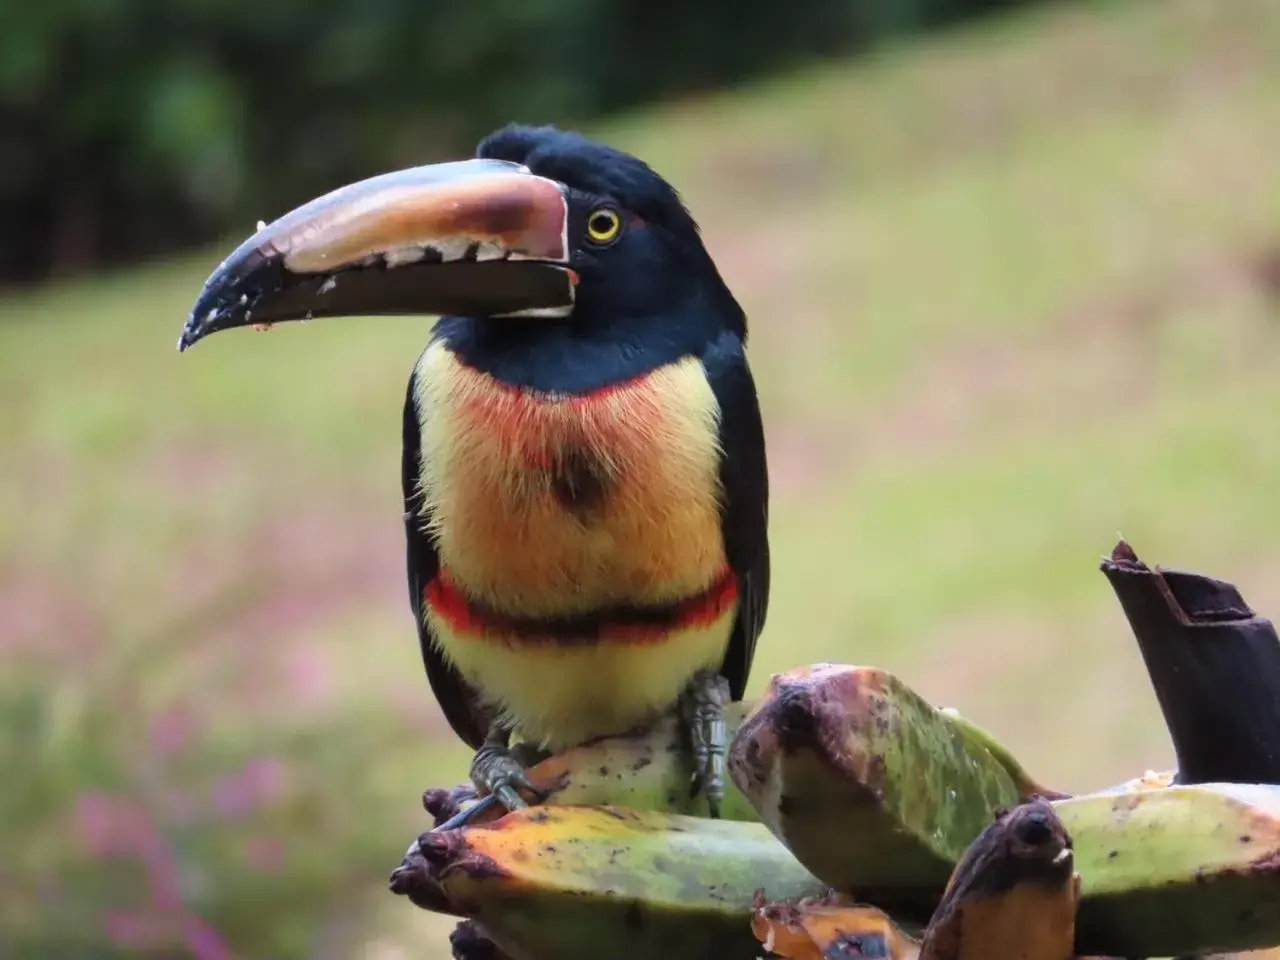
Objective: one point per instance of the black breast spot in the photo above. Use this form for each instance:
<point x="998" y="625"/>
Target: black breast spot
<point x="579" y="481"/>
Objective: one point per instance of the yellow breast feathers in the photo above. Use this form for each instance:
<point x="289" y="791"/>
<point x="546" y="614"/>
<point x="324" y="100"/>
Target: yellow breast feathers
<point x="549" y="506"/>
<point x="552" y="512"/>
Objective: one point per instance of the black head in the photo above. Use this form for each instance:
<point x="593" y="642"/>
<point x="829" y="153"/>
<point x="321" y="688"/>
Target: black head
<point x="635" y="246"/>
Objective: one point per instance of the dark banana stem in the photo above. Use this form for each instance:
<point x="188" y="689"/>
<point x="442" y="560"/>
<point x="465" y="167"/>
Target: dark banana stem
<point x="1214" y="665"/>
<point x="469" y="941"/>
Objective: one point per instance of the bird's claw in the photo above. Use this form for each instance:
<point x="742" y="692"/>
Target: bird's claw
<point x="496" y="770"/>
<point x="497" y="773"/>
<point x="703" y="704"/>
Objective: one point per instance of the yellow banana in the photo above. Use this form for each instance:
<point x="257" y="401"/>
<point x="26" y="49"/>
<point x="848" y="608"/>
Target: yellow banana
<point x="570" y="882"/>
<point x="820" y="927"/>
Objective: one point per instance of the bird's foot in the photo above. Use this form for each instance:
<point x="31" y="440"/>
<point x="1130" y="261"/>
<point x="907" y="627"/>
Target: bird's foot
<point x="496" y="770"/>
<point x="703" y="707"/>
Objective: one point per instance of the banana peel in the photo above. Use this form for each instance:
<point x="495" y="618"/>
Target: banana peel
<point x="1012" y="896"/>
<point x="570" y="882"/>
<point x="871" y="787"/>
<point x="1174" y="870"/>
<point x="977" y="739"/>
<point x="816" y="928"/>
<point x="901" y="842"/>
<point x="653" y="769"/>
<point x="847" y="766"/>
<point x="1151" y="780"/>
<point x="879" y="795"/>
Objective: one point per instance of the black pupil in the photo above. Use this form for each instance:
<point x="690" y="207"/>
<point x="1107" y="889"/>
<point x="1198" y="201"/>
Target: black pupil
<point x="601" y="223"/>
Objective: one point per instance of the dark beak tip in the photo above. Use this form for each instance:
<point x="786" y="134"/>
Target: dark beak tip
<point x="196" y="327"/>
<point x="224" y="297"/>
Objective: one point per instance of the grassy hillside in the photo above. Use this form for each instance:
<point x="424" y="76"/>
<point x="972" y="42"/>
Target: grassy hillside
<point x="1012" y="291"/>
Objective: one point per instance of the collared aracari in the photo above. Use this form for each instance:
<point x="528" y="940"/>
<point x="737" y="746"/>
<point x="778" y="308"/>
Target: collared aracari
<point x="584" y="475"/>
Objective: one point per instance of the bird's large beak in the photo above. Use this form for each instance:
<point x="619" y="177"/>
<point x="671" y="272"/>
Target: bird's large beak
<point x="474" y="237"/>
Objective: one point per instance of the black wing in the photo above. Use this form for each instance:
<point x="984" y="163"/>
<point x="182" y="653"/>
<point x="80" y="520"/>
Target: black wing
<point x="744" y="477"/>
<point x="458" y="699"/>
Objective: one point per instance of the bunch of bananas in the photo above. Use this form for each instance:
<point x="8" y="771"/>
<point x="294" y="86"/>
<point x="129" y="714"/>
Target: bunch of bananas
<point x="848" y="789"/>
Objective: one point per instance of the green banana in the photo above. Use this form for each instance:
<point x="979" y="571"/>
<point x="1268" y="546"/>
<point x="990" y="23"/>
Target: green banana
<point x="1013" y="896"/>
<point x="980" y="739"/>
<point x="1174" y="870"/>
<point x="894" y="838"/>
<point x="848" y="767"/>
<point x="875" y="791"/>
<point x="570" y="882"/>
<point x="653" y="769"/>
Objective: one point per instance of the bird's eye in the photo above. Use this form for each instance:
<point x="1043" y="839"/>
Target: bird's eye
<point x="603" y="226"/>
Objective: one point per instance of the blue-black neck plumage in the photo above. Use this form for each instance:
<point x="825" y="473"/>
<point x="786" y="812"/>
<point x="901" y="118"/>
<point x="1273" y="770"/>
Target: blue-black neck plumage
<point x="582" y="354"/>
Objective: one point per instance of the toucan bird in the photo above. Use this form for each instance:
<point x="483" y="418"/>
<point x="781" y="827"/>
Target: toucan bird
<point x="584" y="473"/>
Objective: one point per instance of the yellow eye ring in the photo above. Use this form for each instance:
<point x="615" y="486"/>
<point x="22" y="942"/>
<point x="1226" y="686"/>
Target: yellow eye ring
<point x="603" y="225"/>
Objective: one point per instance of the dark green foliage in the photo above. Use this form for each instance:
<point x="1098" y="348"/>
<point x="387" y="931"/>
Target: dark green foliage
<point x="131" y="126"/>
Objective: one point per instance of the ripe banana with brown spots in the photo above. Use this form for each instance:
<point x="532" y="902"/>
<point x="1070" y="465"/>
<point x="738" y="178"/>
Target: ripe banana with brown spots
<point x="581" y="883"/>
<point x="845" y="762"/>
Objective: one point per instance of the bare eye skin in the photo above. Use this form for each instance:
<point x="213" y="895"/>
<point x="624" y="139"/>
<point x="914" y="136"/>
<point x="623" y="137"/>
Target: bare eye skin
<point x="603" y="225"/>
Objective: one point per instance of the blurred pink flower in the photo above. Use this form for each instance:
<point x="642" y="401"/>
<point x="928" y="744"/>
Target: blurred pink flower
<point x="265" y="777"/>
<point x="204" y="941"/>
<point x="176" y="806"/>
<point x="171" y="729"/>
<point x="309" y="673"/>
<point x="111" y="826"/>
<point x="260" y="781"/>
<point x="128" y="928"/>
<point x="264" y="853"/>
<point x="141" y="931"/>
<point x="163" y="877"/>
<point x="95" y="819"/>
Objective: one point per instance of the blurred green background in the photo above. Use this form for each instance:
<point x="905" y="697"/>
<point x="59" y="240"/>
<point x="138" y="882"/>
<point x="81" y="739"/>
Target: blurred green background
<point x="1014" y="287"/>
